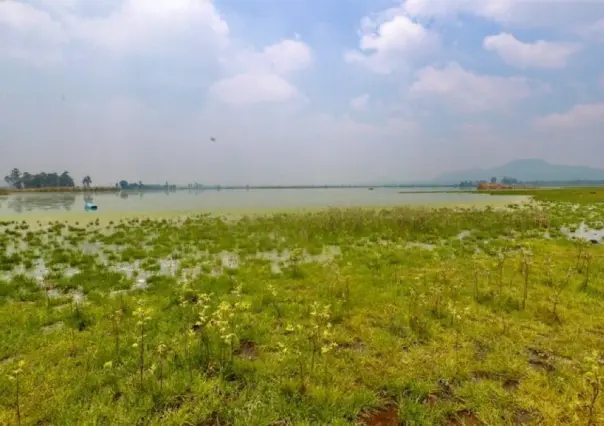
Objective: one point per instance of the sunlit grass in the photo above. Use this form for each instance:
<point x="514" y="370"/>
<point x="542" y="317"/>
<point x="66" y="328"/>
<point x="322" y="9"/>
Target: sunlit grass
<point x="416" y="315"/>
<point x="581" y="195"/>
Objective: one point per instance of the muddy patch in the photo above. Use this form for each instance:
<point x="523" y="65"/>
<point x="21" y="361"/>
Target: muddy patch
<point x="7" y="361"/>
<point x="355" y="345"/>
<point x="524" y="417"/>
<point x="540" y="360"/>
<point x="385" y="416"/>
<point x="510" y="385"/>
<point x="464" y="418"/>
<point x="247" y="350"/>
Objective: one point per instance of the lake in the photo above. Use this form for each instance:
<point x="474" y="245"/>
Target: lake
<point x="61" y="204"/>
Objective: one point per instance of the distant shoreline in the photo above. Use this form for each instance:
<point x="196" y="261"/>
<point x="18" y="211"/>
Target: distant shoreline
<point x="113" y="189"/>
<point x="77" y="189"/>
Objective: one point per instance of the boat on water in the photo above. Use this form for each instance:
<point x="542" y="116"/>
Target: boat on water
<point x="90" y="207"/>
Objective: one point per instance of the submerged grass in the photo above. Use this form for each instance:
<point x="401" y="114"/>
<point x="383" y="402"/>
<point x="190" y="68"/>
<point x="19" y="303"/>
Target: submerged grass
<point x="398" y="316"/>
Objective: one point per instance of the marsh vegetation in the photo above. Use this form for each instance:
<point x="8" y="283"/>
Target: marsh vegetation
<point x="406" y="315"/>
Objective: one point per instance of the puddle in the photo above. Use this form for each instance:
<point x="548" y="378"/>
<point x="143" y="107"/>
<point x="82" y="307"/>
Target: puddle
<point x="229" y="260"/>
<point x="463" y="235"/>
<point x="169" y="266"/>
<point x="70" y="272"/>
<point x="585" y="233"/>
<point x="284" y="258"/>
<point x="140" y="284"/>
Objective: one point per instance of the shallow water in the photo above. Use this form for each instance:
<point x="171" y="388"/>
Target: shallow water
<point x="584" y="232"/>
<point x="62" y="204"/>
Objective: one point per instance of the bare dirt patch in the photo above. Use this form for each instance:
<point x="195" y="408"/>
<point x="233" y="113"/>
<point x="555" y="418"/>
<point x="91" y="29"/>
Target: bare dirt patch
<point x="385" y="416"/>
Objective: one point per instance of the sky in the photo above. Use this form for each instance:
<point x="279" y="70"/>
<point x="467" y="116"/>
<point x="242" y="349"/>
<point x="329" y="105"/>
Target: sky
<point x="297" y="91"/>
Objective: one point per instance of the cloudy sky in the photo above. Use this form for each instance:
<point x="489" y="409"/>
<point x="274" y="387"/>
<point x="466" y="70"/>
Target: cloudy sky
<point x="297" y="91"/>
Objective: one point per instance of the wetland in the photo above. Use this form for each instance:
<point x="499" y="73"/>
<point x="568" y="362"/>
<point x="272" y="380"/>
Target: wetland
<point x="416" y="314"/>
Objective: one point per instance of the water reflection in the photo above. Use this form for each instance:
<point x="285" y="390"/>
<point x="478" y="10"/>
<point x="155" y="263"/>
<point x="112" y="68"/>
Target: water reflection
<point x="204" y="200"/>
<point x="50" y="201"/>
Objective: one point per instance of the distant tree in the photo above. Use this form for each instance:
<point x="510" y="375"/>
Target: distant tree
<point x="27" y="179"/>
<point x="509" y="181"/>
<point x="87" y="181"/>
<point x="124" y="184"/>
<point x="493" y="179"/>
<point x="66" y="181"/>
<point x="14" y="179"/>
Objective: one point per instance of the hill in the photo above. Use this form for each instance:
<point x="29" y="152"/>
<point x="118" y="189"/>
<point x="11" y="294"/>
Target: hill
<point x="528" y="170"/>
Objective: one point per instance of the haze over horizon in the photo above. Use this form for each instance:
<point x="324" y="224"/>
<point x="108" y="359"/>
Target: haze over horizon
<point x="298" y="92"/>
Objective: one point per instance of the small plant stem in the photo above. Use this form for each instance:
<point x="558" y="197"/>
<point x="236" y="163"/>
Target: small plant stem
<point x="18" y="403"/>
<point x="161" y="376"/>
<point x="142" y="353"/>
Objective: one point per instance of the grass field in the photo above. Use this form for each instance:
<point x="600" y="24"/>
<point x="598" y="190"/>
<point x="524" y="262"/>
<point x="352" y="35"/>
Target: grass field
<point x="399" y="316"/>
<point x="583" y="195"/>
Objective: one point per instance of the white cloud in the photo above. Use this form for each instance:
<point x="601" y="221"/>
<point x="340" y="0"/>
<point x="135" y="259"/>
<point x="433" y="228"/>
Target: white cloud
<point x="360" y="102"/>
<point x="390" y="40"/>
<point x="288" y="55"/>
<point x="539" y="54"/>
<point x="253" y="87"/>
<point x="261" y="76"/>
<point x="467" y="91"/>
<point x="579" y="116"/>
<point x="283" y="57"/>
<point x="39" y="31"/>
<point x="29" y="34"/>
<point x="144" y="25"/>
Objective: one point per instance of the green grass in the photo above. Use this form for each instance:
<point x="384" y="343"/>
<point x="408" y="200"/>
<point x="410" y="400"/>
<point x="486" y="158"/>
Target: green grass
<point x="585" y="195"/>
<point x="331" y="317"/>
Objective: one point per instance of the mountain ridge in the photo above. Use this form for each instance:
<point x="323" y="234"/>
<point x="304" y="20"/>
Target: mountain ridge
<point x="527" y="170"/>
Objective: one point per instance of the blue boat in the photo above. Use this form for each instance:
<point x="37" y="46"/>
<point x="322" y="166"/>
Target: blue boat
<point x="90" y="207"/>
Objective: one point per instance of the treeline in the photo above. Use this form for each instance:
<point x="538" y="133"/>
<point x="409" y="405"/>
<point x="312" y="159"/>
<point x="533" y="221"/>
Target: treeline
<point x="26" y="180"/>
<point x="513" y="181"/>
<point x="505" y="181"/>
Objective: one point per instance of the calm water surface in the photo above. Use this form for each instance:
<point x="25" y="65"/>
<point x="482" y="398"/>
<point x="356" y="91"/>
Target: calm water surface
<point x="49" y="204"/>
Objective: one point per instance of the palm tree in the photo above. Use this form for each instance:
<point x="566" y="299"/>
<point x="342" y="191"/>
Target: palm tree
<point x="87" y="181"/>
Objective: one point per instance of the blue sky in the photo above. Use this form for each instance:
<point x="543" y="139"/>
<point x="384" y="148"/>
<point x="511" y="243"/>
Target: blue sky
<point x="298" y="91"/>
